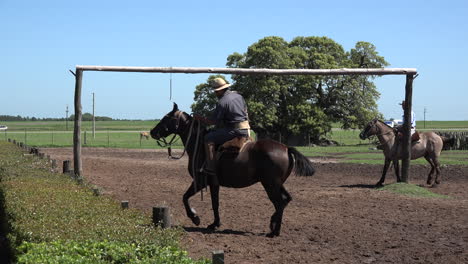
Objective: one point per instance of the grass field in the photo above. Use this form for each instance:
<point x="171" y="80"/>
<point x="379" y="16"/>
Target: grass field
<point x="125" y="134"/>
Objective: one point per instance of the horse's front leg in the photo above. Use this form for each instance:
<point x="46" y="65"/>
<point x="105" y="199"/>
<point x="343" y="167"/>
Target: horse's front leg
<point x="384" y="172"/>
<point x="190" y="211"/>
<point x="214" y="191"/>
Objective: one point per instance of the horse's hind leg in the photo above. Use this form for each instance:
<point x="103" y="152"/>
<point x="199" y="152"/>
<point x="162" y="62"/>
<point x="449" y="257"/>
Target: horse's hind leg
<point x="190" y="211"/>
<point x="396" y="166"/>
<point x="214" y="191"/>
<point x="437" y="168"/>
<point x="429" y="176"/>
<point x="280" y="199"/>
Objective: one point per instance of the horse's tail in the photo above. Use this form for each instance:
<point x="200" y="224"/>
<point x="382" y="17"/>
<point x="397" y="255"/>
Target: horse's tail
<point x="448" y="141"/>
<point x="302" y="165"/>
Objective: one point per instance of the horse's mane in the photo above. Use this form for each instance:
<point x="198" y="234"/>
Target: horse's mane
<point x="384" y="123"/>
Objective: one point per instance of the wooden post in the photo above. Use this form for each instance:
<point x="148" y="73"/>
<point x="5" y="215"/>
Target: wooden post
<point x="406" y="144"/>
<point x="66" y="166"/>
<point x="94" y="121"/>
<point x="161" y="216"/>
<point x="77" y="128"/>
<point x="218" y="257"/>
<point x="96" y="191"/>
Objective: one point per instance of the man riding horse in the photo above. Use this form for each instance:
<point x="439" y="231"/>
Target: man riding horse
<point x="230" y="117"/>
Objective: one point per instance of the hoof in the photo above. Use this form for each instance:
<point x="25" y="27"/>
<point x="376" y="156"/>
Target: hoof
<point x="213" y="226"/>
<point x="272" y="234"/>
<point x="434" y="185"/>
<point x="379" y="184"/>
<point x="195" y="220"/>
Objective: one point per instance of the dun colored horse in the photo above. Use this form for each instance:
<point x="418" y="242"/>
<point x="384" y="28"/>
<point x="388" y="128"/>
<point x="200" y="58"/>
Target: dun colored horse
<point x="265" y="161"/>
<point x="429" y="146"/>
<point x="144" y="134"/>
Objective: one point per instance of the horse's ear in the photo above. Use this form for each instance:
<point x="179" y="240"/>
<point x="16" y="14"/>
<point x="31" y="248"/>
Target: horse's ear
<point x="176" y="108"/>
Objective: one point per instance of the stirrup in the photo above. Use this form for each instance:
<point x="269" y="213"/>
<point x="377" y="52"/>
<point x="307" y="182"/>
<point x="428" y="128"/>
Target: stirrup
<point x="203" y="169"/>
<point x="207" y="172"/>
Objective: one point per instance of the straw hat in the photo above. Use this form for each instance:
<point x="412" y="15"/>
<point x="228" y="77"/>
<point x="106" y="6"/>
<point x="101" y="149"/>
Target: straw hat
<point x="219" y="84"/>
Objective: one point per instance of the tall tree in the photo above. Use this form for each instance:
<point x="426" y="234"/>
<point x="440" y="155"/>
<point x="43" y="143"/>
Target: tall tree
<point x="302" y="104"/>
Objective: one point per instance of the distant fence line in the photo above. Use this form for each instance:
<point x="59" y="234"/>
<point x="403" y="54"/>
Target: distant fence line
<point x="133" y="139"/>
<point x="459" y="142"/>
<point x="58" y="138"/>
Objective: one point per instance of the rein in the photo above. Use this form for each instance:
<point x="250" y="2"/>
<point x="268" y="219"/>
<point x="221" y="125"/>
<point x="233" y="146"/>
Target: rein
<point x="163" y="143"/>
<point x="382" y="134"/>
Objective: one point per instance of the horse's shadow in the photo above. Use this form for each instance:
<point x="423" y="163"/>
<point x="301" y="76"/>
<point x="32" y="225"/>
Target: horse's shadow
<point x="204" y="230"/>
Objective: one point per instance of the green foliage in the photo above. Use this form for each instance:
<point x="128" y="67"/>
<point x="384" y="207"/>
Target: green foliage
<point x="294" y="105"/>
<point x="411" y="190"/>
<point x="205" y="98"/>
<point x="100" y="252"/>
<point x="50" y="216"/>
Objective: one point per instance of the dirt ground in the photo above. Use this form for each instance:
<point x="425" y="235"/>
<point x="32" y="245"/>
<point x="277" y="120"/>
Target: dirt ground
<point x="336" y="216"/>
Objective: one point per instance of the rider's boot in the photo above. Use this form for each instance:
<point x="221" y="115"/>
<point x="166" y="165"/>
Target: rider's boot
<point x="210" y="164"/>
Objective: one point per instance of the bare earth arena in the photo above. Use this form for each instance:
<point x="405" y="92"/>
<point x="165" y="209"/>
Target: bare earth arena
<point x="336" y="216"/>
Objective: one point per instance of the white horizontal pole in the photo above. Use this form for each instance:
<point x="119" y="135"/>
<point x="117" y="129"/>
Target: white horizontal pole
<point x="247" y="71"/>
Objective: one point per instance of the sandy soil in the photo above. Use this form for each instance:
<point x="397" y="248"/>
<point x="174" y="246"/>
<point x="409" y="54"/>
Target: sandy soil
<point x="336" y="216"/>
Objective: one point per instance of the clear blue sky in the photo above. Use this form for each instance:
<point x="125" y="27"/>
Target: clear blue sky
<point x="42" y="40"/>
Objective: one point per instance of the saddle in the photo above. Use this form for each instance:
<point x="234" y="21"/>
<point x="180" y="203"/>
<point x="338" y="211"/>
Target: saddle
<point x="414" y="138"/>
<point x="233" y="146"/>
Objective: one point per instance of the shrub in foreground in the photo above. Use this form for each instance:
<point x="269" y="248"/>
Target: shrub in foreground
<point x="52" y="219"/>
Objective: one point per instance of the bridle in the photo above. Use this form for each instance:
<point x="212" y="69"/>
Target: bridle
<point x="373" y="126"/>
<point x="165" y="144"/>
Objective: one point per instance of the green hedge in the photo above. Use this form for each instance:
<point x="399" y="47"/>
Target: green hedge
<point x="52" y="219"/>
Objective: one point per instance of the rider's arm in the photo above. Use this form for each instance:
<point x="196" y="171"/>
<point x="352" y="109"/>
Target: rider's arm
<point x="203" y="119"/>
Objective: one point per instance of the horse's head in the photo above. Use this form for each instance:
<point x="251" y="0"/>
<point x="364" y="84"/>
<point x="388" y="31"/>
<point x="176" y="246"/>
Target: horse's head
<point x="172" y="123"/>
<point x="370" y="130"/>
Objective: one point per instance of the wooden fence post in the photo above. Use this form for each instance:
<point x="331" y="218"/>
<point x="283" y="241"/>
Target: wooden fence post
<point x="161" y="216"/>
<point x="218" y="257"/>
<point x="66" y="166"/>
<point x="406" y="143"/>
<point x="77" y="127"/>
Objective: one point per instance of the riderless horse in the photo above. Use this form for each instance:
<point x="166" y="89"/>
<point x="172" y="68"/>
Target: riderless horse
<point x="144" y="134"/>
<point x="265" y="161"/>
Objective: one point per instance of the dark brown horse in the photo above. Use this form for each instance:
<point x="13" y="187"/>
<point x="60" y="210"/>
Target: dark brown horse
<point x="429" y="146"/>
<point x="265" y="161"/>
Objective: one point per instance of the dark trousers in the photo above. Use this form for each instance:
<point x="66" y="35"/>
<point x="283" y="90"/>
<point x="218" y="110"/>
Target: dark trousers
<point x="219" y="136"/>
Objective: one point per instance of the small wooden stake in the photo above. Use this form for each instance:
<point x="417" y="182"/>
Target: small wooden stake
<point x="66" y="166"/>
<point x="218" y="257"/>
<point x="161" y="216"/>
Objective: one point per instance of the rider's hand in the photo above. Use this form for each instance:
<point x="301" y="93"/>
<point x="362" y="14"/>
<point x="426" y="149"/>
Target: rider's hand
<point x="198" y="117"/>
